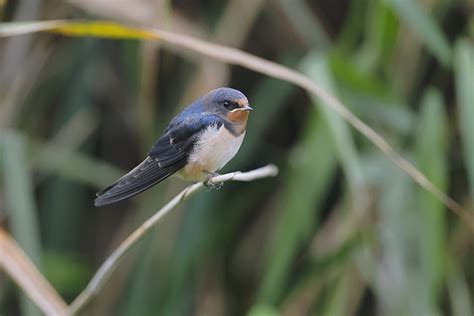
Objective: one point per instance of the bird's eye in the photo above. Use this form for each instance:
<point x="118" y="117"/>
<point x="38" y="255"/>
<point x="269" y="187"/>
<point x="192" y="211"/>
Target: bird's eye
<point x="228" y="105"/>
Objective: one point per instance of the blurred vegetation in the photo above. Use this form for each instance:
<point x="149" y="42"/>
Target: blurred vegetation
<point x="341" y="231"/>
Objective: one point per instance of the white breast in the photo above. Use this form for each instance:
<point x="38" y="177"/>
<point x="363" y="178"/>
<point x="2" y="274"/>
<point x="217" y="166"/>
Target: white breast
<point x="215" y="148"/>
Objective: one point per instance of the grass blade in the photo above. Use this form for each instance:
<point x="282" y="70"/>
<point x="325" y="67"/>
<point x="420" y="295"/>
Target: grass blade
<point x="296" y="214"/>
<point x="464" y="72"/>
<point x="315" y="66"/>
<point x="425" y="27"/>
<point x="71" y="164"/>
<point x="394" y="281"/>
<point x="20" y="202"/>
<point x="431" y="153"/>
<point x="102" y="29"/>
<point x="459" y="293"/>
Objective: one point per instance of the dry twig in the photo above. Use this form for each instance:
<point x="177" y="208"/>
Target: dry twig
<point x="231" y="56"/>
<point x="238" y="57"/>
<point x="21" y="270"/>
<point x="106" y="269"/>
<point x="272" y="69"/>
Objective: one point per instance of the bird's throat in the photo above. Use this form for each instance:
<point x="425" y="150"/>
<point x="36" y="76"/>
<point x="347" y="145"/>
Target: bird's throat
<point x="238" y="119"/>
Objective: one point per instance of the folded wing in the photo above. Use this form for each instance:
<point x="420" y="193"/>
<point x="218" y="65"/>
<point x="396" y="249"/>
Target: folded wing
<point x="167" y="156"/>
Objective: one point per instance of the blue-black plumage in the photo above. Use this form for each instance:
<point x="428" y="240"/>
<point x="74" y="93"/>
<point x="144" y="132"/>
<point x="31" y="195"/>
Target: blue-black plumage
<point x="197" y="143"/>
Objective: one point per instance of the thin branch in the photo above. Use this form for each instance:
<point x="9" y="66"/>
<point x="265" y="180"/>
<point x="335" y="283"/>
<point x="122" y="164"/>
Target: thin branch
<point x="24" y="273"/>
<point x="238" y="57"/>
<point x="272" y="69"/>
<point x="110" y="264"/>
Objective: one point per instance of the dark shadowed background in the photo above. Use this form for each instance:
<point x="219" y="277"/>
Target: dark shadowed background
<point x="340" y="231"/>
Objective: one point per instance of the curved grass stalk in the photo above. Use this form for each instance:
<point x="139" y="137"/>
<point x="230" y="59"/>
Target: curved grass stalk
<point x="108" y="267"/>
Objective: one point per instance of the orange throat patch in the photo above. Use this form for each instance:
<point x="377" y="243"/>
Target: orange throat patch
<point x="238" y="120"/>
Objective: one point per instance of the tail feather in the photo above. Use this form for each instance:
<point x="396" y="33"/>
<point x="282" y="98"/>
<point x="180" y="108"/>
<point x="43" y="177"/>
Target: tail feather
<point x="142" y="177"/>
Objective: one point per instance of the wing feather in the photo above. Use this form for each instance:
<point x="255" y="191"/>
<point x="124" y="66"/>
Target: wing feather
<point x="142" y="177"/>
<point x="168" y="155"/>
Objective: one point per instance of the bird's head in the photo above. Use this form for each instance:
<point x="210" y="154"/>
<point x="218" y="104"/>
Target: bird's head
<point x="229" y="103"/>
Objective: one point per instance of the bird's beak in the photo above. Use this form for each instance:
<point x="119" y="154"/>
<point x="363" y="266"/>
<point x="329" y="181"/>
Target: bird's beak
<point x="243" y="108"/>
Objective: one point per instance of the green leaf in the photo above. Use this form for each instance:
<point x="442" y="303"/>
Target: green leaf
<point x="101" y="29"/>
<point x="67" y="272"/>
<point x="395" y="281"/>
<point x="316" y="67"/>
<point x="305" y="23"/>
<point x="431" y="157"/>
<point x="20" y="202"/>
<point x="312" y="168"/>
<point x="263" y="310"/>
<point x="381" y="29"/>
<point x="464" y="74"/>
<point x="424" y="25"/>
<point x="349" y="74"/>
<point x="459" y="292"/>
<point x="71" y="164"/>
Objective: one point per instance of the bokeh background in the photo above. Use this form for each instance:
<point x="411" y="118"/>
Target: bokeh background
<point x="340" y="231"/>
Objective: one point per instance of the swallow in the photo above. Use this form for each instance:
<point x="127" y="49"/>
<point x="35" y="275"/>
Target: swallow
<point x="197" y="143"/>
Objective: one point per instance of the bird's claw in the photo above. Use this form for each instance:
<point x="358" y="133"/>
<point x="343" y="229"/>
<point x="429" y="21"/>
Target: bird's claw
<point x="209" y="184"/>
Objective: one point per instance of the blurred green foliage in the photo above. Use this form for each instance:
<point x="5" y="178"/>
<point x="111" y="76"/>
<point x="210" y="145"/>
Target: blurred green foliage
<point x="341" y="231"/>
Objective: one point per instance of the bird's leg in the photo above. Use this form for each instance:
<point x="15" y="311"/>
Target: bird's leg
<point x="209" y="184"/>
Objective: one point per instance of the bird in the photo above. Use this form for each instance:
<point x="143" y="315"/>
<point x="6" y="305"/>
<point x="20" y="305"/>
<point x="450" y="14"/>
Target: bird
<point x="196" y="144"/>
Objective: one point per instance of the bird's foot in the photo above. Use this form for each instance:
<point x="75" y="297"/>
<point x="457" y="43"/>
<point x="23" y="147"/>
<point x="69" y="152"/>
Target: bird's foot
<point x="208" y="183"/>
